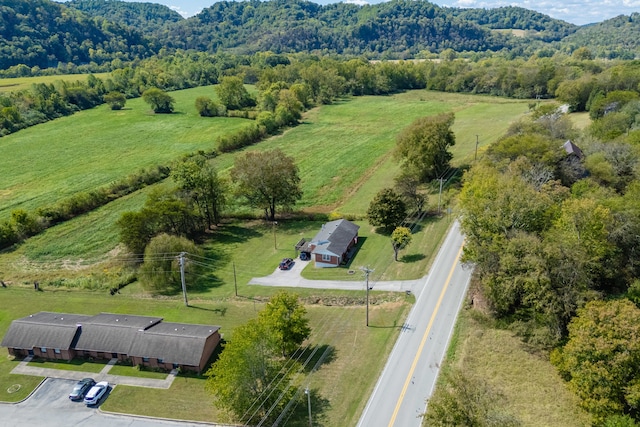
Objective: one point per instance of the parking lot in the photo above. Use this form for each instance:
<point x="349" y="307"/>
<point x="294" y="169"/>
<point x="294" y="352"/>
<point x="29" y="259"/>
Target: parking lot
<point x="50" y="406"/>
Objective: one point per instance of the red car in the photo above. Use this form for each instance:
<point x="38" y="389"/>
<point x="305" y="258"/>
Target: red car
<point x="285" y="264"/>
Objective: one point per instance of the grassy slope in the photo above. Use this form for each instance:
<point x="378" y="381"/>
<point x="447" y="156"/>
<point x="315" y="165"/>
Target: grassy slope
<point x="320" y="145"/>
<point x="533" y="390"/>
<point x="95" y="147"/>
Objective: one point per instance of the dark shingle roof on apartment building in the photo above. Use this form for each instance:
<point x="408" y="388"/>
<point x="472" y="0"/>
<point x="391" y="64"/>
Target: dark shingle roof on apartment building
<point x="112" y="333"/>
<point x="173" y="342"/>
<point x="44" y="329"/>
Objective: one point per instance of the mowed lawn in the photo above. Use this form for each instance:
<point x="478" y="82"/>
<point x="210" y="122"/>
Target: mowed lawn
<point x="48" y="162"/>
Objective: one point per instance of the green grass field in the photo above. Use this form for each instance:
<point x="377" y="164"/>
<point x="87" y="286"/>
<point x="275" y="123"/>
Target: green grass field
<point x="318" y="145"/>
<point x="73" y="365"/>
<point x="339" y="148"/>
<point x="92" y="148"/>
<point x="341" y="330"/>
<point x="20" y="83"/>
<point x="133" y="371"/>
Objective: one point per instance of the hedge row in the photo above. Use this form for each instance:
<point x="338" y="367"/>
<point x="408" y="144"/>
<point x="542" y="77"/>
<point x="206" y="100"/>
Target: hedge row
<point x="23" y="224"/>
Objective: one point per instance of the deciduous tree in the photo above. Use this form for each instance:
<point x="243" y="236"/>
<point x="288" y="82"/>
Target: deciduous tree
<point x="160" y="272"/>
<point x="249" y="380"/>
<point x="408" y="186"/>
<point x="116" y="100"/>
<point x="602" y="356"/>
<point x="232" y="93"/>
<point x="267" y="179"/>
<point x="206" y="107"/>
<point x="160" y="101"/>
<point x="136" y="230"/>
<point x="199" y="180"/>
<point x="400" y="238"/>
<point x="423" y="147"/>
<point x="387" y="210"/>
<point x="286" y="318"/>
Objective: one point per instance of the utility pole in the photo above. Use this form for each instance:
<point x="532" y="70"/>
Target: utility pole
<point x="306" y="391"/>
<point x="275" y="244"/>
<point x="184" y="285"/>
<point x="367" y="271"/>
<point x="476" y="157"/>
<point x="440" y="195"/>
<point x="235" y="282"/>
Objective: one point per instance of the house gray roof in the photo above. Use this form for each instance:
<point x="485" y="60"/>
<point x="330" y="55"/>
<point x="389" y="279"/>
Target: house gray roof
<point x="112" y="333"/>
<point x="173" y="342"/>
<point x="571" y="148"/>
<point x="44" y="329"/>
<point x="335" y="237"/>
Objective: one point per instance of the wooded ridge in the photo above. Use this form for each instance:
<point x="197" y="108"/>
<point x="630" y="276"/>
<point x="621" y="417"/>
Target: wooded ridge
<point x="99" y="34"/>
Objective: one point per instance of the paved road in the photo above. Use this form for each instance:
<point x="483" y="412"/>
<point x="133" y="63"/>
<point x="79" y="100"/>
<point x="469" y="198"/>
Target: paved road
<point x="409" y="377"/>
<point x="49" y="406"/>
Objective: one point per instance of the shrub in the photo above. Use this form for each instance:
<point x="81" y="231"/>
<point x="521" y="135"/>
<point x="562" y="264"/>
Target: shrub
<point x="244" y="137"/>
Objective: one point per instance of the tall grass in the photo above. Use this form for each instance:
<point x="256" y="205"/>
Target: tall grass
<point x="532" y="388"/>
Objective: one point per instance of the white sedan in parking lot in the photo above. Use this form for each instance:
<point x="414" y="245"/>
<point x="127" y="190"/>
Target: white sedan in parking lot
<point x="95" y="394"/>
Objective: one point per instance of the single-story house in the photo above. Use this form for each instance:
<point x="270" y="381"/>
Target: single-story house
<point x="334" y="243"/>
<point x="142" y="340"/>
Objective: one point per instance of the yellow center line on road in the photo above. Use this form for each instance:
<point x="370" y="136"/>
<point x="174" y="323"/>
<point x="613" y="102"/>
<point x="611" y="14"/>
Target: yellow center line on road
<point x="424" y="340"/>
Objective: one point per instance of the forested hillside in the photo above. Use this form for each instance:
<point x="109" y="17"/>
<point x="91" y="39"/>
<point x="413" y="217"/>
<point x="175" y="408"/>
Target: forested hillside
<point x="618" y="37"/>
<point x="92" y="33"/>
<point x="41" y="33"/>
<point x="536" y="24"/>
<point x="399" y="28"/>
<point x="145" y="17"/>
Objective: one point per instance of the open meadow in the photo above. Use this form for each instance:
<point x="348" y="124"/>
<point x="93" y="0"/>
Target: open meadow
<point x="531" y="387"/>
<point x="92" y="148"/>
<point x="15" y="84"/>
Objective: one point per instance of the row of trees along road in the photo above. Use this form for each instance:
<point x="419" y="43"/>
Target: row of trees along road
<point x="422" y="149"/>
<point x="554" y="236"/>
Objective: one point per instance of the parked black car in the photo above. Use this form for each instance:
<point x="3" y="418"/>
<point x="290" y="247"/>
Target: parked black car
<point x="285" y="264"/>
<point x="81" y="388"/>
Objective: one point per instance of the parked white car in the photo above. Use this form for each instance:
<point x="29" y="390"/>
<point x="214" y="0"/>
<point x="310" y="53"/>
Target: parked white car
<point x="95" y="394"/>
